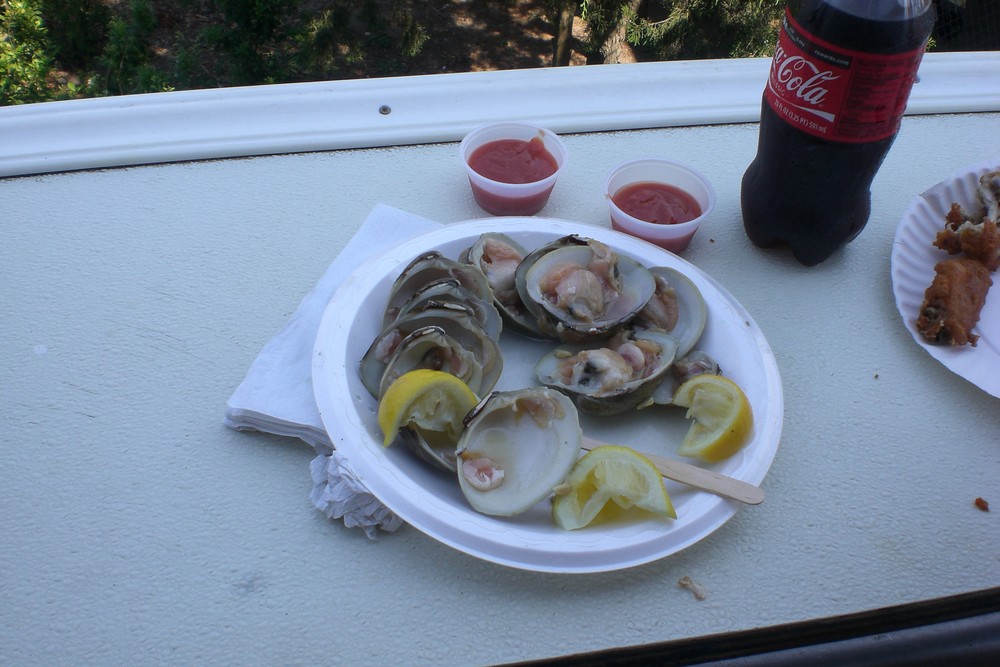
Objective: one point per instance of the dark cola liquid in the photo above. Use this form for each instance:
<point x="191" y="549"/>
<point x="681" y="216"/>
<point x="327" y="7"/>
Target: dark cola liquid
<point x="812" y="193"/>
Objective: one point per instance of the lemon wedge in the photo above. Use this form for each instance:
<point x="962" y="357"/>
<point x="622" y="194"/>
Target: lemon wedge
<point x="606" y="479"/>
<point x="433" y="402"/>
<point x="723" y="419"/>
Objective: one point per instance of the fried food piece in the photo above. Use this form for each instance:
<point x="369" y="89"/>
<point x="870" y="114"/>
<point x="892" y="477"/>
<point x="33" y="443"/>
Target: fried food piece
<point x="953" y="301"/>
<point x="976" y="240"/>
<point x="947" y="239"/>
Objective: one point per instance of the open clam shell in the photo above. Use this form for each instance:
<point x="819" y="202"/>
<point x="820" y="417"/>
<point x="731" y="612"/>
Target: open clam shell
<point x="586" y="292"/>
<point x="498" y="256"/>
<point x="516" y="447"/>
<point x="428" y="268"/>
<point x="617" y="375"/>
<point x="450" y="291"/>
<point x="520" y="274"/>
<point x="456" y="323"/>
<point x="440" y="455"/>
<point x="677" y="307"/>
<point x="432" y="348"/>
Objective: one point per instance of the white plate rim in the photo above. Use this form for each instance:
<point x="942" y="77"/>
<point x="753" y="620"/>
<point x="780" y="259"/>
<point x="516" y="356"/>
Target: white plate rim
<point x="912" y="262"/>
<point x="510" y="542"/>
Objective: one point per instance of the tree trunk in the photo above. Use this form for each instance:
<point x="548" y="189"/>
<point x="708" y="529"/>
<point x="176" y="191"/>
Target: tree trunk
<point x="561" y="50"/>
<point x="615" y="47"/>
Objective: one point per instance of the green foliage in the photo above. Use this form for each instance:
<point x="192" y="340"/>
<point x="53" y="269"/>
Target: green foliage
<point x="346" y="32"/>
<point x="329" y="38"/>
<point x="77" y="30"/>
<point x="58" y="49"/>
<point x="413" y="36"/>
<point x="717" y="29"/>
<point x="125" y="62"/>
<point x="685" y="29"/>
<point x="24" y="60"/>
<point x="252" y="36"/>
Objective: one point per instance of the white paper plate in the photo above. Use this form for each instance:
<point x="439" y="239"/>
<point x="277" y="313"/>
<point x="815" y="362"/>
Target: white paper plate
<point x="432" y="502"/>
<point x="913" y="261"/>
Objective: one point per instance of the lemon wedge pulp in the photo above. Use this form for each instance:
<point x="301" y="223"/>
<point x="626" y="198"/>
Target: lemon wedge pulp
<point x="433" y="402"/>
<point x="723" y="418"/>
<point x="612" y="476"/>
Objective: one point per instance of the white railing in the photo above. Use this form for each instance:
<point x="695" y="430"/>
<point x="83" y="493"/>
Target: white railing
<point x="286" y="118"/>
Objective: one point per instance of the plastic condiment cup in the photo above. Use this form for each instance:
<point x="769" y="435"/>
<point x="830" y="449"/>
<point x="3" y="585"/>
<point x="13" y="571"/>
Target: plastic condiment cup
<point x="511" y="198"/>
<point x="673" y="237"/>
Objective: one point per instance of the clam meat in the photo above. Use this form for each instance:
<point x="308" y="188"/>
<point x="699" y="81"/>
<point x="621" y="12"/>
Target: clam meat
<point x="582" y="292"/>
<point x="498" y="256"/>
<point x="613" y="376"/>
<point x="677" y="307"/>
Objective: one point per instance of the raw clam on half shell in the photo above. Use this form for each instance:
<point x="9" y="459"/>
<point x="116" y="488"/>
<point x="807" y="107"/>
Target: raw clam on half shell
<point x="498" y="256"/>
<point x="585" y="292"/>
<point x="612" y="376"/>
<point x="677" y="308"/>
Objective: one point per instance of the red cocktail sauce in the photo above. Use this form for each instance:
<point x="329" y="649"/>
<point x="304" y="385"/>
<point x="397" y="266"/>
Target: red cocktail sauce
<point x="513" y="161"/>
<point x="658" y="203"/>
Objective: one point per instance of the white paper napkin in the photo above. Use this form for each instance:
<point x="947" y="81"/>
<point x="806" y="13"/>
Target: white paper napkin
<point x="276" y="396"/>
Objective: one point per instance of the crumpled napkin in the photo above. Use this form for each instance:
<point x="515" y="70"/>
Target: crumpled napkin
<point x="276" y="396"/>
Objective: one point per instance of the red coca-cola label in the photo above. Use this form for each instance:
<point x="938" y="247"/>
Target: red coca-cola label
<point x="835" y="93"/>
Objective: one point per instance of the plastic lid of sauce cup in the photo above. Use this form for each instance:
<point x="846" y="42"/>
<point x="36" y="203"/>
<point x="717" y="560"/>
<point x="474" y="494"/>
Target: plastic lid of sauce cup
<point x="673" y="237"/>
<point x="501" y="198"/>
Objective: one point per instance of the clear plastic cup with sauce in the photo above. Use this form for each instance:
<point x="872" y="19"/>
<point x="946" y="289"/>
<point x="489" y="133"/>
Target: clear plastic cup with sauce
<point x="512" y="167"/>
<point x="660" y="201"/>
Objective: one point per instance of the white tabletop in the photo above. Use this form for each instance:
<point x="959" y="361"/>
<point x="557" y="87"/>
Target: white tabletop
<point x="138" y="529"/>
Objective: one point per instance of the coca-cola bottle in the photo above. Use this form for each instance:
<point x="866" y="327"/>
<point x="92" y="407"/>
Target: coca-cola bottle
<point x="838" y="86"/>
